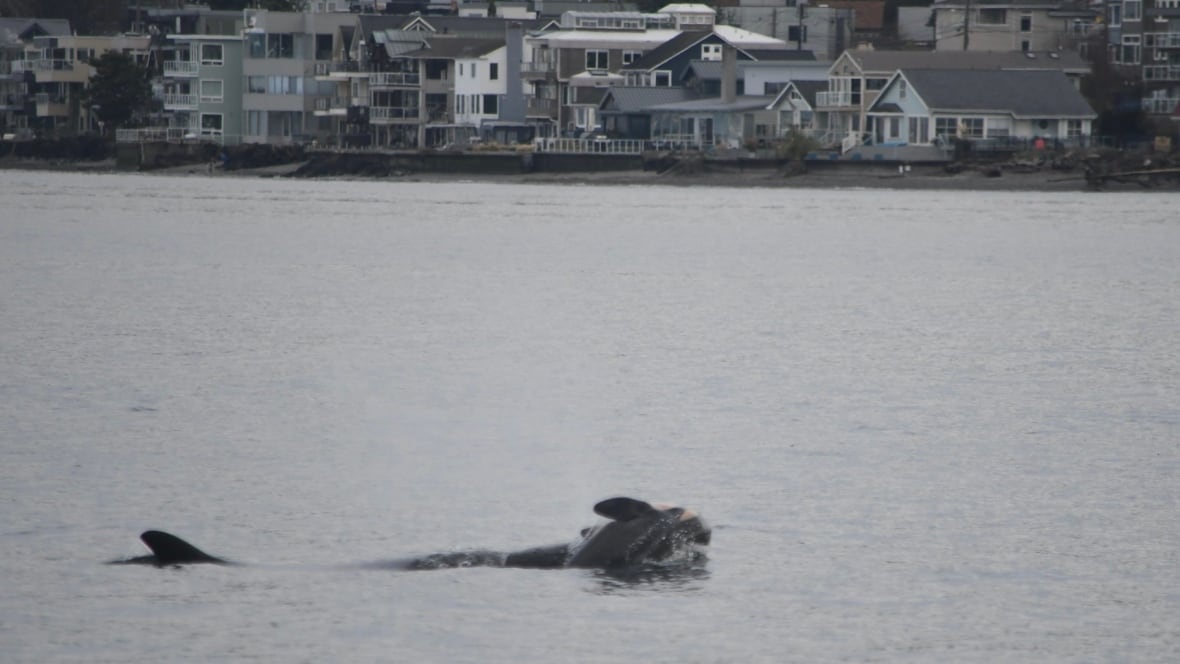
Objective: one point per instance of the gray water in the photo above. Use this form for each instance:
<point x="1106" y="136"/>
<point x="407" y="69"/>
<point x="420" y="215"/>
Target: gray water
<point x="926" y="426"/>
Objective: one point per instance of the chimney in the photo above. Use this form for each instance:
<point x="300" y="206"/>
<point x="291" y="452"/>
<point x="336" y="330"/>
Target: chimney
<point x="728" y="73"/>
<point x="514" y="107"/>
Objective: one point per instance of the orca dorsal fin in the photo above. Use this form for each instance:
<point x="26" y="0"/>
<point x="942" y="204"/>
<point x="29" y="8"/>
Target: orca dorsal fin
<point x="171" y="550"/>
<point x="622" y="508"/>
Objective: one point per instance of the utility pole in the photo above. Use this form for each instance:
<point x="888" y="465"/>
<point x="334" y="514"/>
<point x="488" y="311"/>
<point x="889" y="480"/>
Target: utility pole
<point x="967" y="26"/>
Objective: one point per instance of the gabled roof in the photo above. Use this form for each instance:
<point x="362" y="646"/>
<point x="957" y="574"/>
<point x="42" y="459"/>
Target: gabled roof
<point x="622" y="99"/>
<point x="891" y="61"/>
<point x="14" y="30"/>
<point x="1025" y="94"/>
<point x="808" y="89"/>
<point x="675" y="46"/>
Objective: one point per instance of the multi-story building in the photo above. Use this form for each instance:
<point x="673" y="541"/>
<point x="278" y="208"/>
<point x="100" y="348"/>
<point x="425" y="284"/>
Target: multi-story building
<point x="56" y="70"/>
<point x="1011" y="25"/>
<point x="1144" y="41"/>
<point x="202" y="87"/>
<point x="16" y="35"/>
<point x="282" y="52"/>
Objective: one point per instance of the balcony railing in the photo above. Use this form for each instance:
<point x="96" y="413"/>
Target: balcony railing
<point x="1161" y="39"/>
<point x="545" y="107"/>
<point x="180" y="68"/>
<point x="388" y="79"/>
<point x="42" y="65"/>
<point x="1161" y="73"/>
<point x="180" y="102"/>
<point x="537" y="68"/>
<point x="834" y="99"/>
<point x="589" y="145"/>
<point x="1159" y="105"/>
<point x="389" y="113"/>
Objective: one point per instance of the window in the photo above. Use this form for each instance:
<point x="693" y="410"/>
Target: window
<point x="491" y="104"/>
<point x="992" y="16"/>
<point x="1025" y="45"/>
<point x="710" y="51"/>
<point x="284" y="85"/>
<point x="1132" y="10"/>
<point x="1026" y="22"/>
<point x="919" y="130"/>
<point x="875" y="83"/>
<point x="631" y="56"/>
<point x="901" y="89"/>
<point x="211" y="90"/>
<point x="254" y="124"/>
<point x="280" y="45"/>
<point x="797" y="34"/>
<point x="460" y="68"/>
<point x="257" y="45"/>
<point x="460" y="104"/>
<point x="211" y="123"/>
<point x="1116" y="14"/>
<point x="323" y="47"/>
<point x="1073" y="128"/>
<point x="493" y="71"/>
<point x="662" y="78"/>
<point x="211" y="54"/>
<point x="1129" y="53"/>
<point x="769" y="88"/>
<point x="945" y="127"/>
<point x="256" y="84"/>
<point x="596" y="59"/>
<point x="473" y="70"/>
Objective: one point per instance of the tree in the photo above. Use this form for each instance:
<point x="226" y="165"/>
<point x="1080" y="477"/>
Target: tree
<point x="118" y="90"/>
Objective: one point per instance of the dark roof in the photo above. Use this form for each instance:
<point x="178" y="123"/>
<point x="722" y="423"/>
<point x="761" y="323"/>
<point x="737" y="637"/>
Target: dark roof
<point x="809" y="88"/>
<point x="714" y="104"/>
<point x="1028" y="94"/>
<point x="668" y="50"/>
<point x="457" y="47"/>
<point x="554" y="8"/>
<point x="24" y="29"/>
<point x="624" y="99"/>
<point x="891" y="61"/>
<point x="780" y="54"/>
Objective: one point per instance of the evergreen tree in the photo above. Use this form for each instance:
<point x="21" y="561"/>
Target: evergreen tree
<point x="118" y="90"/>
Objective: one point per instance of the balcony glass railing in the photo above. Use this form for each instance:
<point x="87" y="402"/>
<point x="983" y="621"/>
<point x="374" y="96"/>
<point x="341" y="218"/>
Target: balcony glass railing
<point x="175" y="100"/>
<point x="831" y="99"/>
<point x="393" y="113"/>
<point x="180" y="68"/>
<point x="392" y="79"/>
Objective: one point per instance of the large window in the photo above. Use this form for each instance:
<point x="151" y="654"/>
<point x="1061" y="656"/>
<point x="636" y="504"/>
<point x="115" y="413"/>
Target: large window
<point x="1132" y="10"/>
<point x="1129" y="51"/>
<point x="491" y="104"/>
<point x="993" y="16"/>
<point x="280" y="45"/>
<point x="493" y="71"/>
<point x="631" y="56"/>
<point x="596" y="59"/>
<point x="323" y="47"/>
<point x="257" y="45"/>
<point x="211" y="90"/>
<point x="1026" y="23"/>
<point x="256" y="84"/>
<point x="255" y="125"/>
<point x="662" y="78"/>
<point x="211" y="54"/>
<point x="211" y="123"/>
<point x="284" y="85"/>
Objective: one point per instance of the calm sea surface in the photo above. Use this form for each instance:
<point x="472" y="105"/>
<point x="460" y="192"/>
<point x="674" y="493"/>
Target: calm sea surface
<point x="927" y="426"/>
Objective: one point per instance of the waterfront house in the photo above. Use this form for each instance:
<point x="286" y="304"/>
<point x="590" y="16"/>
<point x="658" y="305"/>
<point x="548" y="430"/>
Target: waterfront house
<point x="858" y="76"/>
<point x="989" y="107"/>
<point x="16" y="35"/>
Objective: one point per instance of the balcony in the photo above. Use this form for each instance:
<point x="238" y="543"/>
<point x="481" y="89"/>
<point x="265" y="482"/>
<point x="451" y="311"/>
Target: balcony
<point x="541" y="107"/>
<point x="1161" y="39"/>
<point x="332" y="106"/>
<point x="836" y="99"/>
<point x="180" y="68"/>
<point x="393" y="114"/>
<point x="537" y="69"/>
<point x="180" y="102"/>
<point x="394" y="80"/>
<point x="1161" y="73"/>
<point x="50" y="105"/>
<point x="1159" y="105"/>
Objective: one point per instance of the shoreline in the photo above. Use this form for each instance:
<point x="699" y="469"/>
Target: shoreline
<point x="920" y="178"/>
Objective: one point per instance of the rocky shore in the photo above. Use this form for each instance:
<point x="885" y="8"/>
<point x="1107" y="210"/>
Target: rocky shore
<point x="1111" y="171"/>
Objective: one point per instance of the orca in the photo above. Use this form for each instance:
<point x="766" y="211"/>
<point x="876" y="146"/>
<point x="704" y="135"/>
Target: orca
<point x="636" y="533"/>
<point x="169" y="550"/>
